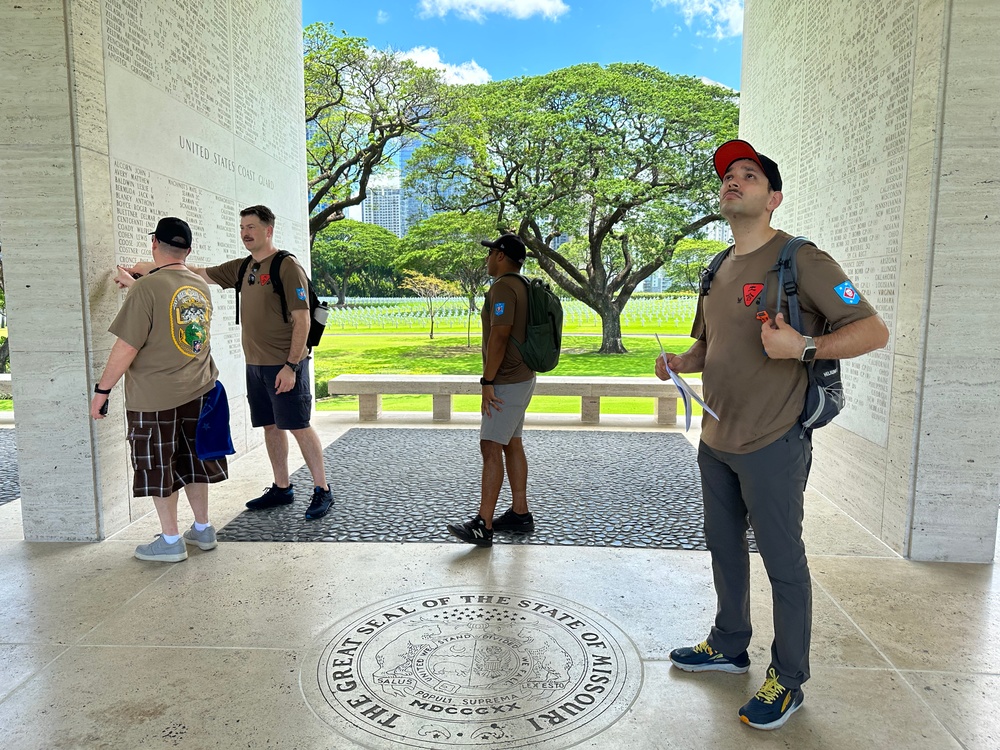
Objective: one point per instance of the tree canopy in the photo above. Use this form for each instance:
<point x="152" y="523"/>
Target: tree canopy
<point x="447" y="244"/>
<point x="617" y="158"/>
<point x="346" y="248"/>
<point x="360" y="105"/>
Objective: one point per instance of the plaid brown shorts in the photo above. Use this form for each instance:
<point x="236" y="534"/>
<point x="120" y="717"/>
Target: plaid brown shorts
<point x="163" y="454"/>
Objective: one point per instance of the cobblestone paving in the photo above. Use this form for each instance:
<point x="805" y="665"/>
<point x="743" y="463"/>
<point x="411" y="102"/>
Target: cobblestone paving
<point x="10" y="484"/>
<point x="586" y="488"/>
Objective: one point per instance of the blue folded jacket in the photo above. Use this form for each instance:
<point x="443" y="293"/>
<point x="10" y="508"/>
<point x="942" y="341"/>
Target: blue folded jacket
<point x="213" y="440"/>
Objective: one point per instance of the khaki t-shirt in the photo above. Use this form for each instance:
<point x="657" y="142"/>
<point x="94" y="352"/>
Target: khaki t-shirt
<point x="507" y="305"/>
<point x="758" y="399"/>
<point x="167" y="316"/>
<point x="266" y="337"/>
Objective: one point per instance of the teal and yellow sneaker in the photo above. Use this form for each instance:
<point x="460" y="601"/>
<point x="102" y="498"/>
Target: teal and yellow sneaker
<point x="704" y="658"/>
<point x="772" y="705"/>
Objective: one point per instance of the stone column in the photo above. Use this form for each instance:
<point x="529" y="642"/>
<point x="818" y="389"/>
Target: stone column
<point x="883" y="117"/>
<point x="116" y="113"/>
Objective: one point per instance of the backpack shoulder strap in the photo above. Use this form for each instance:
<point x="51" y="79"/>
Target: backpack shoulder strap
<point x="790" y="286"/>
<point x="276" y="285"/>
<point x="239" y="282"/>
<point x="708" y="274"/>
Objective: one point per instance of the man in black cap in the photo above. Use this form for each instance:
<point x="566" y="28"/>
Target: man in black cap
<point x="755" y="458"/>
<point x="164" y="351"/>
<point x="507" y="384"/>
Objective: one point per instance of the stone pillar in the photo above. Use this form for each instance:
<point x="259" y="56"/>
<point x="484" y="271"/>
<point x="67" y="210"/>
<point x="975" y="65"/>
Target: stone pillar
<point x="117" y="112"/>
<point x="883" y="117"/>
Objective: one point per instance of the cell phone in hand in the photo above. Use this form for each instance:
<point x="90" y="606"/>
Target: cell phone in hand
<point x="104" y="408"/>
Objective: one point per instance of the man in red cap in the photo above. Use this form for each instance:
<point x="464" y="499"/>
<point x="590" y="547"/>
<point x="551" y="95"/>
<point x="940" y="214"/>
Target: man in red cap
<point x="755" y="457"/>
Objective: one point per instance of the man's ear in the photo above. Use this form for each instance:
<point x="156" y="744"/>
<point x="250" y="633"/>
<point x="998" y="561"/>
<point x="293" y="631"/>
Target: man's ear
<point x="774" y="200"/>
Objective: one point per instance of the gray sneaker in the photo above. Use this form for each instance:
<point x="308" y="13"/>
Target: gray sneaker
<point x="159" y="551"/>
<point x="204" y="539"/>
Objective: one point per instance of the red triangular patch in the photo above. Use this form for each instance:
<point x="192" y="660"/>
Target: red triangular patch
<point x="751" y="292"/>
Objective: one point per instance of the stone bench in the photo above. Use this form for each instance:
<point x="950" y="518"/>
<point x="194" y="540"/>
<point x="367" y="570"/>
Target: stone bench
<point x="370" y="388"/>
<point x="5" y="387"/>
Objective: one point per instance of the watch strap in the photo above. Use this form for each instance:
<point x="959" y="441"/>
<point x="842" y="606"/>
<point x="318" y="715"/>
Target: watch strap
<point x="102" y="391"/>
<point x="294" y="368"/>
<point x="809" y="350"/>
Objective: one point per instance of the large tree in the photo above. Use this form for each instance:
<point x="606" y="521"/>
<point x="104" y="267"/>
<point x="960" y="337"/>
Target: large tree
<point x="361" y="106"/>
<point x="447" y="245"/>
<point x="619" y="157"/>
<point x="349" y="247"/>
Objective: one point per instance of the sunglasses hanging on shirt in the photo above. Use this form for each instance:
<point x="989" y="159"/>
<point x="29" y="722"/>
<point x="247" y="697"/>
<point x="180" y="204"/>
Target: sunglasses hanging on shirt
<point x="252" y="278"/>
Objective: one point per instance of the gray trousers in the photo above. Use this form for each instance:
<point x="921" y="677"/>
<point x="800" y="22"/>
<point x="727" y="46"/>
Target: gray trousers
<point x="765" y="487"/>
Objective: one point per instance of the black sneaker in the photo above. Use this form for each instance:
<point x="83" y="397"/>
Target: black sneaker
<point x="273" y="497"/>
<point x="473" y="532"/>
<point x="511" y="521"/>
<point x="320" y="504"/>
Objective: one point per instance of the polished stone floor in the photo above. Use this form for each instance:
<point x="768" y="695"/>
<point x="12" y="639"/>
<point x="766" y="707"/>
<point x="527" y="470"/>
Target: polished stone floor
<point x="99" y="650"/>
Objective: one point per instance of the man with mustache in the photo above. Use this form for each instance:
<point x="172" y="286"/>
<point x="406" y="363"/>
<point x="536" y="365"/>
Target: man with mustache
<point x="276" y="352"/>
<point x="755" y="458"/>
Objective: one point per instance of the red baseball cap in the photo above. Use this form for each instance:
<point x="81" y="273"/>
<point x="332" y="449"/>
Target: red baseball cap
<point x="734" y="150"/>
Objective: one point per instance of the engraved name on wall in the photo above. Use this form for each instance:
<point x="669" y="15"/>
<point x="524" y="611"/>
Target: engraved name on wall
<point x="849" y="68"/>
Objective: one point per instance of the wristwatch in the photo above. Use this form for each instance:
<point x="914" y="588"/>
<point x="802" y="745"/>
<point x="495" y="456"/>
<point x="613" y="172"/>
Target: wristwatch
<point x="484" y="381"/>
<point x="293" y="368"/>
<point x="809" y="353"/>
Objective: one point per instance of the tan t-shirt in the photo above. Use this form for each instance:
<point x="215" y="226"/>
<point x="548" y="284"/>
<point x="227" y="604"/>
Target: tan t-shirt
<point x="758" y="399"/>
<point x="507" y="305"/>
<point x="167" y="316"/>
<point x="266" y="337"/>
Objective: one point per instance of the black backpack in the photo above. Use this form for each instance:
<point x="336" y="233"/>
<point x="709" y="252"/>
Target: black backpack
<point x="543" y="332"/>
<point x="825" y="396"/>
<point x="318" y="311"/>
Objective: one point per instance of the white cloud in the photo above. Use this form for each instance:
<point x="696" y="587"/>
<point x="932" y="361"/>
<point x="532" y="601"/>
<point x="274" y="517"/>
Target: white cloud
<point x="710" y="82"/>
<point x="467" y="72"/>
<point x="382" y="17"/>
<point x="477" y="10"/>
<point x="722" y="18"/>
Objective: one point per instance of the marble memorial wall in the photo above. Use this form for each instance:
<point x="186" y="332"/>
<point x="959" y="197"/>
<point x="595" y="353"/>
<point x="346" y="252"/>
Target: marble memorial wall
<point x="200" y="125"/>
<point x="844" y="176"/>
<point x="883" y="116"/>
<point x="118" y="112"/>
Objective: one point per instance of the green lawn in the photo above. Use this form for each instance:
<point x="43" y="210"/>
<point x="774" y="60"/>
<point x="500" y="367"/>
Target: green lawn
<point x="400" y="353"/>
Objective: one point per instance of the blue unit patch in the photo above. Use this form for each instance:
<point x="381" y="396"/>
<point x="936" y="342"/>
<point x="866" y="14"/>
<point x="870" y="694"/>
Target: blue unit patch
<point x="498" y="308"/>
<point x="848" y="293"/>
<point x="301" y="292"/>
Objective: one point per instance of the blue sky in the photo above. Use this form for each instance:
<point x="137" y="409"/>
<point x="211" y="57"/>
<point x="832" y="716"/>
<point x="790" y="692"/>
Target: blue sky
<point x="475" y="41"/>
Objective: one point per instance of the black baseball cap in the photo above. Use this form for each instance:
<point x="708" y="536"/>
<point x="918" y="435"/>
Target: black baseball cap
<point x="509" y="244"/>
<point x="174" y="232"/>
<point x="731" y="151"/>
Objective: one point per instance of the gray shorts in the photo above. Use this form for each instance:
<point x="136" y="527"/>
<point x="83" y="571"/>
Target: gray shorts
<point x="504" y="425"/>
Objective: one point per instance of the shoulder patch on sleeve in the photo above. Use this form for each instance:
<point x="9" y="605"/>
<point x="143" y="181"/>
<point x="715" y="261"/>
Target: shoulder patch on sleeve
<point x="301" y="293"/>
<point x="498" y="308"/>
<point x="848" y="293"/>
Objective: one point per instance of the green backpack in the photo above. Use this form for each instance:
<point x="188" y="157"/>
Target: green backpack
<point x="543" y="331"/>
